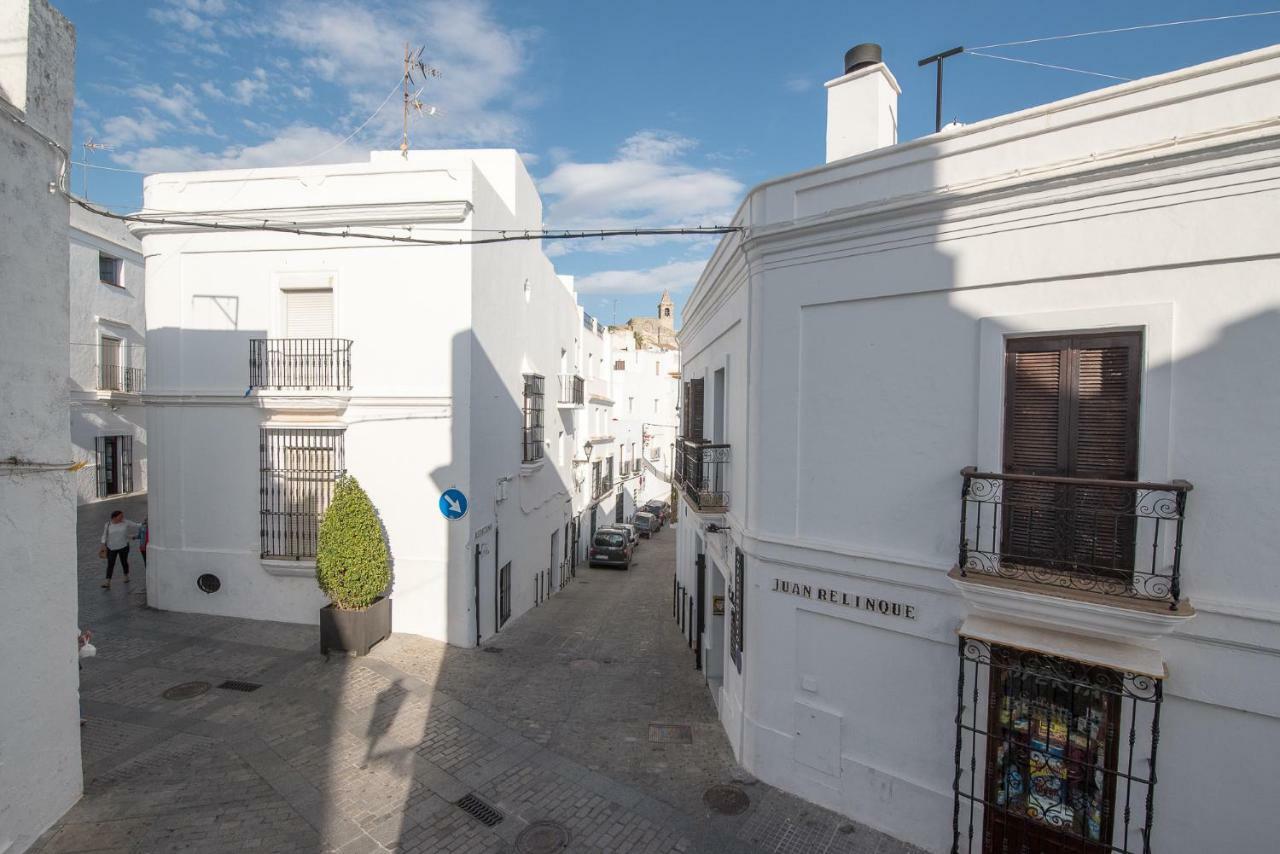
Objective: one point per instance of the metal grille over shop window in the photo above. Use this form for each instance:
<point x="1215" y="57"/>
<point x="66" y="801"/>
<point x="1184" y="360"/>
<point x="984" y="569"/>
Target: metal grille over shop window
<point x="298" y="468"/>
<point x="737" y="604"/>
<point x="1052" y="754"/>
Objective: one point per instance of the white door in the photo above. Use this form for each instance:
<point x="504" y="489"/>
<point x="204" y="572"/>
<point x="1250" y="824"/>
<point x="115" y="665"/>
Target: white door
<point x="308" y="314"/>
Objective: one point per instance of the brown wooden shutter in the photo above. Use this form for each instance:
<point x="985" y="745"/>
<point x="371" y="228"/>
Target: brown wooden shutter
<point x="1071" y="409"/>
<point x="694" y="418"/>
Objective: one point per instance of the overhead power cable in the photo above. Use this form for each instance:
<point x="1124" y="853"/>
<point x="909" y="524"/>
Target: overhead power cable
<point x="1046" y="65"/>
<point x="351" y="136"/>
<point x="507" y="236"/>
<point x="1128" y="29"/>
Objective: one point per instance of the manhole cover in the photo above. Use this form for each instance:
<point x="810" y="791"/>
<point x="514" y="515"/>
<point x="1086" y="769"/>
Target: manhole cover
<point x="671" y="733"/>
<point x="726" y="800"/>
<point x="542" y="837"/>
<point x="584" y="664"/>
<point x="186" y="690"/>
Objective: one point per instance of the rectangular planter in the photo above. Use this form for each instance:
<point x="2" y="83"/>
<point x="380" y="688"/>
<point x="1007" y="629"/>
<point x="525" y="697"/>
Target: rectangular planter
<point x="354" y="632"/>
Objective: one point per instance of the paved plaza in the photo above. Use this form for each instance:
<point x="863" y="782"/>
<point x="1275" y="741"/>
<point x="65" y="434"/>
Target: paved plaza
<point x="548" y="727"/>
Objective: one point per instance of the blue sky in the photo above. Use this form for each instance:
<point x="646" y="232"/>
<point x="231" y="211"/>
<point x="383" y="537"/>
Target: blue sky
<point x="652" y="113"/>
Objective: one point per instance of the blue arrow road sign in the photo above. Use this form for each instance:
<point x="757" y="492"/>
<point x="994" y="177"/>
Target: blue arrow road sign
<point x="453" y="504"/>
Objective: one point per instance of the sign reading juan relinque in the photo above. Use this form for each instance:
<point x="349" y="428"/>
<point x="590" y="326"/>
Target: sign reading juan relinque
<point x="849" y="600"/>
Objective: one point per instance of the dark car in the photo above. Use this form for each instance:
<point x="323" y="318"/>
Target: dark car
<point x="627" y="528"/>
<point x="646" y="523"/>
<point x="610" y="548"/>
<point x="659" y="508"/>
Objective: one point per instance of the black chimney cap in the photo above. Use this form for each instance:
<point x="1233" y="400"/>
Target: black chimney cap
<point x="862" y="55"/>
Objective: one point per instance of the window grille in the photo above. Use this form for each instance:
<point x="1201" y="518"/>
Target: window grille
<point x="114" y="458"/>
<point x="737" y="604"/>
<point x="298" y="468"/>
<point x="504" y="594"/>
<point x="533" y="394"/>
<point x="620" y="364"/>
<point x="1052" y="754"/>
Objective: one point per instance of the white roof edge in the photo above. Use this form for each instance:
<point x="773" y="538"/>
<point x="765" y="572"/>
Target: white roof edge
<point x="418" y="161"/>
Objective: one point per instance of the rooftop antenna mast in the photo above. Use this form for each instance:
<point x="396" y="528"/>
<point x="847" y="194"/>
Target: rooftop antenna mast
<point x="89" y="147"/>
<point x="413" y="65"/>
<point x="938" y="58"/>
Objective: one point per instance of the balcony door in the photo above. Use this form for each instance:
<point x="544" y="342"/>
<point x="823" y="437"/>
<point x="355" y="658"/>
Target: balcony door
<point x="1071" y="411"/>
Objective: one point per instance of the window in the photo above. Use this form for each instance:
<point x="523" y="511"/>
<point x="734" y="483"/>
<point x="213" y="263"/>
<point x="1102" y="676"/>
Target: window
<point x="631" y="405"/>
<point x="297" y="470"/>
<point x="109" y="270"/>
<point x="114" y="458"/>
<point x="533" y="449"/>
<point x="504" y="594"/>
<point x="655" y="368"/>
<point x="655" y="406"/>
<point x="737" y="607"/>
<point x="620" y="365"/>
<point x="109" y="365"/>
<point x="1071" y="410"/>
<point x="308" y="313"/>
<point x="597" y="480"/>
<point x="692" y="409"/>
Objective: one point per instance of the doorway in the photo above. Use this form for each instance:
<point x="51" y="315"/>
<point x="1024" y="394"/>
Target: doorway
<point x="553" y="570"/>
<point x="714" y="638"/>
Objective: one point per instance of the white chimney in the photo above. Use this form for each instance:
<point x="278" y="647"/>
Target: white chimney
<point x="862" y="106"/>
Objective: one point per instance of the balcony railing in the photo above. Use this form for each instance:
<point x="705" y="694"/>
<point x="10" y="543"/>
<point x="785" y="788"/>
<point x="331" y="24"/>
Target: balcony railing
<point x="602" y="485"/>
<point x="305" y="363"/>
<point x="572" y="391"/>
<point x="702" y="469"/>
<point x="1110" y="537"/>
<point x="597" y="388"/>
<point x="119" y="378"/>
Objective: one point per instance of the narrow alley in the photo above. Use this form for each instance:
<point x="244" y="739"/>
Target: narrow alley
<point x="549" y="726"/>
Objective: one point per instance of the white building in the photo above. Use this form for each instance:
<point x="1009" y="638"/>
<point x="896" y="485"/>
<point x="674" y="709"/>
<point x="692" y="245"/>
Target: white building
<point x="40" y="776"/>
<point x="108" y="357"/>
<point x="276" y="360"/>
<point x="1077" y="305"/>
<point x="646" y="381"/>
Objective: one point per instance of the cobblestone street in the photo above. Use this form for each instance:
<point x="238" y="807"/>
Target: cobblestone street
<point x="547" y="724"/>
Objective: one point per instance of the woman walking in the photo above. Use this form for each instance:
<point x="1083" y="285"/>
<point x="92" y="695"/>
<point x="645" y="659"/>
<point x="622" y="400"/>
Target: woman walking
<point x="115" y="544"/>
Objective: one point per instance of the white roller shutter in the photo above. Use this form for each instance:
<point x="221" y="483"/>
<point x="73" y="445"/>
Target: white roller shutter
<point x="309" y="314"/>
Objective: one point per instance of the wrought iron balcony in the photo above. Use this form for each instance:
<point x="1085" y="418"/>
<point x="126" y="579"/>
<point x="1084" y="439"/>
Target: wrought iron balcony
<point x="119" y="378"/>
<point x="300" y="363"/>
<point x="702" y="469"/>
<point x="1109" y="537"/>
<point x="572" y="393"/>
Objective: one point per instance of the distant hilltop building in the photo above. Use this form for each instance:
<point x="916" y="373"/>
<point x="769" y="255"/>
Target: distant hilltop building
<point x="655" y="331"/>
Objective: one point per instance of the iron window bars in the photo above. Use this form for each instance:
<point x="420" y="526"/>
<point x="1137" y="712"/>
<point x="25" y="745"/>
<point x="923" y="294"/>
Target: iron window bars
<point x="702" y="468"/>
<point x="1052" y="755"/>
<point x="533" y="395"/>
<point x="114" y="465"/>
<point x="572" y="390"/>
<point x="304" y="363"/>
<point x="119" y="378"/>
<point x="737" y="605"/>
<point x="1116" y="538"/>
<point x="297" y="471"/>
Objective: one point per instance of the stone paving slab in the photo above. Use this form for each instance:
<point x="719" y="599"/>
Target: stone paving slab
<point x="371" y="755"/>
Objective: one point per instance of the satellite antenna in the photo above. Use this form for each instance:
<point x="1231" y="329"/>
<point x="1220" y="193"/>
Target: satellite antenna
<point x="89" y="147"/>
<point x="414" y="65"/>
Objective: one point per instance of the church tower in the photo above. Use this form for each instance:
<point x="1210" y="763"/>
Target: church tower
<point x="666" y="311"/>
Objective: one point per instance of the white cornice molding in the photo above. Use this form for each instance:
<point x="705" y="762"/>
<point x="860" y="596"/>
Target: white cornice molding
<point x="322" y="216"/>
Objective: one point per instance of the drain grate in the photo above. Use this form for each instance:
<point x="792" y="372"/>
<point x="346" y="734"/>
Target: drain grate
<point x="237" y="685"/>
<point x="479" y="810"/>
<point x="726" y="800"/>
<point x="185" y="691"/>
<point x="491" y="648"/>
<point x="671" y="733"/>
<point x="542" y="837"/>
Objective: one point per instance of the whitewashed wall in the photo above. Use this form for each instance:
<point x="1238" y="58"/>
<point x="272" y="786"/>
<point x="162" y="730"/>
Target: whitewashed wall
<point x="880" y="287"/>
<point x="98" y="309"/>
<point x="40" y="775"/>
<point x="441" y="338"/>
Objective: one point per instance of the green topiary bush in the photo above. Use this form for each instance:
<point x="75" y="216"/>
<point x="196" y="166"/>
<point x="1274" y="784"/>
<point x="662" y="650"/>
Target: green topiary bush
<point x="353" y="566"/>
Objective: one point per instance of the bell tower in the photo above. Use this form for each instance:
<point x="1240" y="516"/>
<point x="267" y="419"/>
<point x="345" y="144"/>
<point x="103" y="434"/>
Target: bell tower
<point x="666" y="311"/>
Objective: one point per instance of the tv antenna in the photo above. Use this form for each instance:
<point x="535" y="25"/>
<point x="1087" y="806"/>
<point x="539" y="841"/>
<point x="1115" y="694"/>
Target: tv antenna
<point x="89" y="147"/>
<point x="415" y="69"/>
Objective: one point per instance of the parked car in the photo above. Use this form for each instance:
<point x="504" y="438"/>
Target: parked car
<point x="659" y="508"/>
<point x="646" y="523"/>
<point x="633" y="536"/>
<point x="610" y="548"/>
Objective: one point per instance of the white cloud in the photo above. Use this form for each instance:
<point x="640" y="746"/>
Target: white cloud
<point x="645" y="184"/>
<point x="797" y="84"/>
<point x="192" y="16"/>
<point x="144" y="126"/>
<point x="675" y="276"/>
<point x="244" y="91"/>
<point x="292" y="145"/>
<point x="179" y="102"/>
